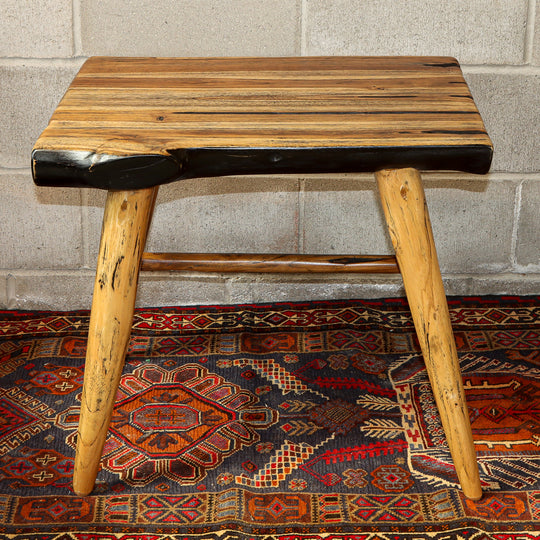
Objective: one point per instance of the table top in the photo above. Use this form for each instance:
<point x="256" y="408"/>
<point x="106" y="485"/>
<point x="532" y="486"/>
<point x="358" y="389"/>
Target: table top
<point x="130" y="123"/>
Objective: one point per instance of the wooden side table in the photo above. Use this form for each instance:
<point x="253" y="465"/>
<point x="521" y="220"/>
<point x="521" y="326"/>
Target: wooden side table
<point x="128" y="125"/>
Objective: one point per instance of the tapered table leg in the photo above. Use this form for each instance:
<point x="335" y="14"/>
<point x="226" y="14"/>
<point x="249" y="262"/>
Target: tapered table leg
<point x="408" y="221"/>
<point x="125" y="225"/>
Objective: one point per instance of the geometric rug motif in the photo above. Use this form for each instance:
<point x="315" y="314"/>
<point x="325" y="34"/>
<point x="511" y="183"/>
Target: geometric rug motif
<point x="504" y="409"/>
<point x="290" y="421"/>
<point x="21" y="417"/>
<point x="178" y="424"/>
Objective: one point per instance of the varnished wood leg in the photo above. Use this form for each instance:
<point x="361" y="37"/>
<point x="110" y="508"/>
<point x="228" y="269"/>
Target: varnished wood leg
<point x="125" y="225"/>
<point x="408" y="221"/>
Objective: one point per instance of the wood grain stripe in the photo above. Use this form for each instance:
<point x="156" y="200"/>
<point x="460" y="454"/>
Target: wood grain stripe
<point x="175" y="107"/>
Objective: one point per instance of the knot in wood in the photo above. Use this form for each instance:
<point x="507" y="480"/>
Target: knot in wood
<point x="404" y="190"/>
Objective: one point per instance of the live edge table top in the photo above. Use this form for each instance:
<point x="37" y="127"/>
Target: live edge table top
<point x="131" y="123"/>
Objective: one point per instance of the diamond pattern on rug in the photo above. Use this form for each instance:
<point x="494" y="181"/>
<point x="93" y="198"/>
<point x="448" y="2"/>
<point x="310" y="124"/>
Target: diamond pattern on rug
<point x="178" y="424"/>
<point x="280" y="421"/>
<point x="21" y="417"/>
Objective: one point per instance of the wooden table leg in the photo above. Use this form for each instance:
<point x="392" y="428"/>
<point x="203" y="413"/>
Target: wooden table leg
<point x="408" y="221"/>
<point x="123" y="237"/>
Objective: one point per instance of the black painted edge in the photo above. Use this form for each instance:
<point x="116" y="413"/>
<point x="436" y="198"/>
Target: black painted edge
<point x="205" y="162"/>
<point x="86" y="169"/>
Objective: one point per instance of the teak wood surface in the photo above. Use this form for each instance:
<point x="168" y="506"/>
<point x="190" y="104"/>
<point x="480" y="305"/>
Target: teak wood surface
<point x="131" y="124"/>
<point x="128" y="123"/>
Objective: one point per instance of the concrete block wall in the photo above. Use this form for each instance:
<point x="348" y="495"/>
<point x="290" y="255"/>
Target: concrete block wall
<point x="487" y="227"/>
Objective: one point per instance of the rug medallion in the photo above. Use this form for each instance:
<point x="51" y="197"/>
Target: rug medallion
<point x="289" y="421"/>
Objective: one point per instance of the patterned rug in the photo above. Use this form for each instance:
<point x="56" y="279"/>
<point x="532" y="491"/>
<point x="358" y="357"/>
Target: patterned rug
<point x="289" y="421"/>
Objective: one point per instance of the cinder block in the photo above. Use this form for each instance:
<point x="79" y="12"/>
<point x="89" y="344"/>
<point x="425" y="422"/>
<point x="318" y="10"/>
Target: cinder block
<point x="510" y="107"/>
<point x="476" y="32"/>
<point x="253" y="288"/>
<point x="472" y="219"/>
<point x="472" y="222"/>
<point x="4" y="300"/>
<point x="93" y="208"/>
<point x="179" y="289"/>
<point x="298" y="288"/>
<point x="343" y="216"/>
<point x="36" y="29"/>
<point x="187" y="28"/>
<point x="249" y="214"/>
<point x="528" y="236"/>
<point x="41" y="227"/>
<point x="327" y="287"/>
<point x="53" y="290"/>
<point x="536" y="41"/>
<point x="245" y="214"/>
<point x="28" y="98"/>
<point x="511" y="284"/>
<point x="73" y="290"/>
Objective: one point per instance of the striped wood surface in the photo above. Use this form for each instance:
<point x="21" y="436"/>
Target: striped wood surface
<point x="269" y="263"/>
<point x="134" y="122"/>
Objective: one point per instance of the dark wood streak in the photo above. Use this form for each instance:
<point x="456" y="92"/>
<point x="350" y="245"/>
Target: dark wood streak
<point x="115" y="271"/>
<point x="454" y="131"/>
<point x="442" y="64"/>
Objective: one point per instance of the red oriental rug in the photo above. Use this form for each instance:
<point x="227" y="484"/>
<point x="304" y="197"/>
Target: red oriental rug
<point x="300" y="421"/>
